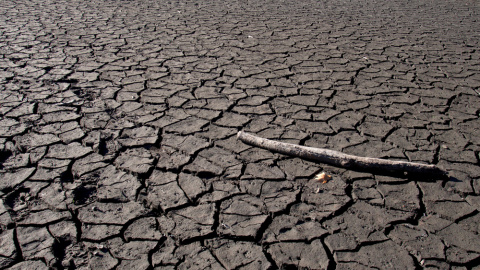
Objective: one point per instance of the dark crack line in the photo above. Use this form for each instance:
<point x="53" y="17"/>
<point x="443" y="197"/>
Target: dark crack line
<point x="19" y="256"/>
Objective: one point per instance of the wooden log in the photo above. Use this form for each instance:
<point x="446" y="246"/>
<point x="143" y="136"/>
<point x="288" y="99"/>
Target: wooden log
<point x="340" y="159"/>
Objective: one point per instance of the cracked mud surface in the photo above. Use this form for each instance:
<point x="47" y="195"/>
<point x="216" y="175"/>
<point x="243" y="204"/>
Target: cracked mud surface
<point x="118" y="124"/>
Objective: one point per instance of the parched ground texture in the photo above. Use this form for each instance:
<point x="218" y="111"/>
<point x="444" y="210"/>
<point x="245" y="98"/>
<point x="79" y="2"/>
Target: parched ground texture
<point x="118" y="124"/>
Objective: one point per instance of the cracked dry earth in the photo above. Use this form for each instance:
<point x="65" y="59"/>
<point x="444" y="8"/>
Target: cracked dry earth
<point x="118" y="124"/>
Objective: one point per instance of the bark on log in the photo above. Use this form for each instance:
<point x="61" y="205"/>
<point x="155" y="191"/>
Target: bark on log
<point x="340" y="159"/>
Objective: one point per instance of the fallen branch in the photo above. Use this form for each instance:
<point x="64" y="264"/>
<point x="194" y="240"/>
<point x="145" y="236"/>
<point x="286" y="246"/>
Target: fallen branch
<point x="340" y="159"/>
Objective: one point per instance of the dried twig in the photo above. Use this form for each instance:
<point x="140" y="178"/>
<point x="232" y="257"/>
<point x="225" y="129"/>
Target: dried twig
<point x="340" y="159"/>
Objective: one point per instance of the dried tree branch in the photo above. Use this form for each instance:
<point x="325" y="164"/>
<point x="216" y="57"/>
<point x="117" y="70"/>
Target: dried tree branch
<point x="340" y="159"/>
